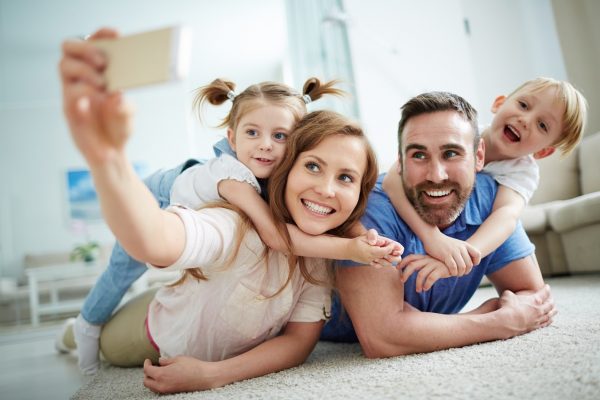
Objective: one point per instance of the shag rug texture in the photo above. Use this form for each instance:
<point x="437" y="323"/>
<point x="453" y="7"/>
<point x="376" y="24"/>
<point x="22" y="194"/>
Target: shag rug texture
<point x="558" y="362"/>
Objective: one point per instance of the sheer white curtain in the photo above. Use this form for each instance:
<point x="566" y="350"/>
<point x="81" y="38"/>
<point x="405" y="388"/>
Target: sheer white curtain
<point x="318" y="46"/>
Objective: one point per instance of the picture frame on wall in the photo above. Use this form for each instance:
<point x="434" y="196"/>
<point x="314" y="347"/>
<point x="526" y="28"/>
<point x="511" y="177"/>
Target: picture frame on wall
<point x="82" y="199"/>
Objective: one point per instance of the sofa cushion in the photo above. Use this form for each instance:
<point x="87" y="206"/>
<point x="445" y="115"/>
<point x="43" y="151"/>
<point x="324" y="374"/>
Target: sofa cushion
<point x="576" y="213"/>
<point x="559" y="178"/>
<point x="535" y="217"/>
<point x="589" y="163"/>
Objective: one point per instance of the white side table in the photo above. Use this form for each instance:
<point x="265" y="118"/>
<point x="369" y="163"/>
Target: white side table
<point x="56" y="277"/>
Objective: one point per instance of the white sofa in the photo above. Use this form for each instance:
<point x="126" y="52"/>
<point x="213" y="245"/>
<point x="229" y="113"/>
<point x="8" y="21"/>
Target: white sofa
<point x="563" y="218"/>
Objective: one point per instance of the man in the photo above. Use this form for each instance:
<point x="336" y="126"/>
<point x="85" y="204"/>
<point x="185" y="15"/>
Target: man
<point x="440" y="152"/>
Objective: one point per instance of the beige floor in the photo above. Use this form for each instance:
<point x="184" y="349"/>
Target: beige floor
<point x="32" y="369"/>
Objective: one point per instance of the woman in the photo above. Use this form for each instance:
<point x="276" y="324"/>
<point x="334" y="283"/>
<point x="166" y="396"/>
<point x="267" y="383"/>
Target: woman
<point x="240" y="315"/>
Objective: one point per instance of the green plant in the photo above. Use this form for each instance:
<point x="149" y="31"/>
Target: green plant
<point x="86" y="252"/>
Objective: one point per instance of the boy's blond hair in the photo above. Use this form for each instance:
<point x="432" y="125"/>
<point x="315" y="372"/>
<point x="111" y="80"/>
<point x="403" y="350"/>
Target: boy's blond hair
<point x="575" y="116"/>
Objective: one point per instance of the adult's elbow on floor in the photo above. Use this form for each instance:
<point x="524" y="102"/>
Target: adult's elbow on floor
<point x="376" y="346"/>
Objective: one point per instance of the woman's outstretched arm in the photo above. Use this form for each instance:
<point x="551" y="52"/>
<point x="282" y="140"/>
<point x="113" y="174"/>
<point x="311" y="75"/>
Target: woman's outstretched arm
<point x="99" y="122"/>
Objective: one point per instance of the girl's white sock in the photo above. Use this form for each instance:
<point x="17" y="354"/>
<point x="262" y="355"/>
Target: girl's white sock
<point x="87" y="338"/>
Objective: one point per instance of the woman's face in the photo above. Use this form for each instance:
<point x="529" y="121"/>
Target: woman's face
<point x="324" y="184"/>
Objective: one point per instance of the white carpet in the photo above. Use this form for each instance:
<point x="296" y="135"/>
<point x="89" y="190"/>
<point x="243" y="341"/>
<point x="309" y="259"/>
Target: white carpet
<point x="559" y="362"/>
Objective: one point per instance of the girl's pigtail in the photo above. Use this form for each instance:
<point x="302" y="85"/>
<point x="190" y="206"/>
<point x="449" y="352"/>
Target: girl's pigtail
<point x="313" y="89"/>
<point x="216" y="93"/>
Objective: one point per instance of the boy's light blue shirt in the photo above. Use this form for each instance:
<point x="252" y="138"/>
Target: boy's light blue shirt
<point x="449" y="295"/>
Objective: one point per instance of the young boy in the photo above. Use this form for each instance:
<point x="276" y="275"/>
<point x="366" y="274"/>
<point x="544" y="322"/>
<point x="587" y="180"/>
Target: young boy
<point x="540" y="116"/>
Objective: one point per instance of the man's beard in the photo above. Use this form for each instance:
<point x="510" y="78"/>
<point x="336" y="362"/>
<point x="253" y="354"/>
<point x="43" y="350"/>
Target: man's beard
<point x="439" y="215"/>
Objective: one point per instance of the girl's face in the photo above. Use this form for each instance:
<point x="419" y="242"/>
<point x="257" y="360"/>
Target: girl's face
<point x="324" y="184"/>
<point x="260" y="138"/>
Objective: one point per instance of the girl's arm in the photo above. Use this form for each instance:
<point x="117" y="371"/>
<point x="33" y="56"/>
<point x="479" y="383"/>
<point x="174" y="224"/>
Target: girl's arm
<point x="367" y="248"/>
<point x="458" y="256"/>
<point x="185" y="374"/>
<point x="501" y="223"/>
<point x="99" y="123"/>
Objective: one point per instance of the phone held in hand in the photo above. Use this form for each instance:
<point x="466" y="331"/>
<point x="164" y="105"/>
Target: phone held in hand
<point x="146" y="58"/>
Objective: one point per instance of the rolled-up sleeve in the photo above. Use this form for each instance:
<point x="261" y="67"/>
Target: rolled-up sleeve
<point x="314" y="303"/>
<point x="209" y="235"/>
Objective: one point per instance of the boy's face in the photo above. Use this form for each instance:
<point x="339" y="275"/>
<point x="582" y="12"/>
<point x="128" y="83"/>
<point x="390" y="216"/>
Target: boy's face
<point x="527" y="123"/>
<point x="260" y="138"/>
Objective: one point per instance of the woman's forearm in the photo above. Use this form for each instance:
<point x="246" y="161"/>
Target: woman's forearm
<point x="288" y="350"/>
<point x="145" y="231"/>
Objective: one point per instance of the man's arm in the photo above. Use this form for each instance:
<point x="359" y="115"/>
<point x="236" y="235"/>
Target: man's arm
<point x="385" y="327"/>
<point x="521" y="276"/>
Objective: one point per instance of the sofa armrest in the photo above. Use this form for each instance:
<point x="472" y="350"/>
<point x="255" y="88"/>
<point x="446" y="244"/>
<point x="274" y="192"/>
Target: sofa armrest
<point x="574" y="213"/>
<point x="535" y="217"/>
<point x="589" y="163"/>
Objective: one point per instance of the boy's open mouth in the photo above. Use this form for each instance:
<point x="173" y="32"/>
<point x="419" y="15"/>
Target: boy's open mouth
<point x="512" y="134"/>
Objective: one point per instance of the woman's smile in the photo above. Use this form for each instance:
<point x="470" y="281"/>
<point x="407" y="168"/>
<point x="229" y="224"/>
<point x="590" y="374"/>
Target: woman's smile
<point x="317" y="208"/>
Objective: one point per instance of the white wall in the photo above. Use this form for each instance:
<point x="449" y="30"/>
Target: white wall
<point x="240" y="40"/>
<point x="511" y="41"/>
<point x="401" y="48"/>
<point x="579" y="30"/>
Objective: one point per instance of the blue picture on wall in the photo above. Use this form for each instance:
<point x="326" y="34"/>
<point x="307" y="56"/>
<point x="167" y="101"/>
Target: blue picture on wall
<point x="83" y="201"/>
<point x="82" y="197"/>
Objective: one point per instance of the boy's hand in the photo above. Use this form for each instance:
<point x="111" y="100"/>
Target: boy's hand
<point x="430" y="270"/>
<point x="458" y="256"/>
<point x="375" y="250"/>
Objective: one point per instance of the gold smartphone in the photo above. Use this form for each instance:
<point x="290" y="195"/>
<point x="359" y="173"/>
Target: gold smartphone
<point x="151" y="57"/>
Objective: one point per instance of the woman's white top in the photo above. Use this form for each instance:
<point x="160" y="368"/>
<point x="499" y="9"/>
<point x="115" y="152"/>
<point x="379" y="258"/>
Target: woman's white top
<point x="231" y="312"/>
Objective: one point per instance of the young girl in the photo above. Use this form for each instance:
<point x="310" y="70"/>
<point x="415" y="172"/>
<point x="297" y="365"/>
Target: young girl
<point x="261" y="118"/>
<point x="240" y="314"/>
<point x="538" y="117"/>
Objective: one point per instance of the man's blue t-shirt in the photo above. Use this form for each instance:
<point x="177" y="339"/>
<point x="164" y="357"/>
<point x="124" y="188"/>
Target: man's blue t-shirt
<point x="449" y="295"/>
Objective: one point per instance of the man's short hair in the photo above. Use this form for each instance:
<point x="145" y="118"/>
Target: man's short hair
<point x="431" y="102"/>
